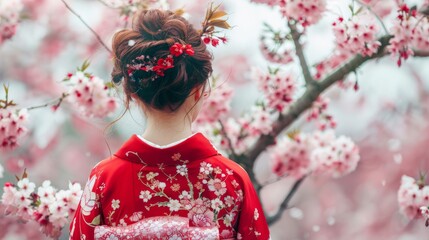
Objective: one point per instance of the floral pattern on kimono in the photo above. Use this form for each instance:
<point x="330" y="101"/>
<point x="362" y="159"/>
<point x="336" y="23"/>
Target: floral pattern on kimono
<point x="189" y="180"/>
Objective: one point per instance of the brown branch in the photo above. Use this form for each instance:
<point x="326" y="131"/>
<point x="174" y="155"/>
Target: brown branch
<point x="284" y="205"/>
<point x="58" y="102"/>
<point x="297" y="108"/>
<point x="222" y="129"/>
<point x="300" y="53"/>
<point x="307" y="99"/>
<point x="421" y="53"/>
<point x="92" y="30"/>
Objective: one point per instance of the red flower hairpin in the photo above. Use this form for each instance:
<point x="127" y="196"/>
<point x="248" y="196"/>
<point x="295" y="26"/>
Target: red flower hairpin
<point x="148" y="64"/>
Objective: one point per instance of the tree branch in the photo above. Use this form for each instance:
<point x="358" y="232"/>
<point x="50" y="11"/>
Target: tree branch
<point x="300" y="53"/>
<point x="307" y="99"/>
<point x="222" y="129"/>
<point x="421" y="53"/>
<point x="92" y="30"/>
<point x="296" y="109"/>
<point x="284" y="205"/>
<point x="58" y="103"/>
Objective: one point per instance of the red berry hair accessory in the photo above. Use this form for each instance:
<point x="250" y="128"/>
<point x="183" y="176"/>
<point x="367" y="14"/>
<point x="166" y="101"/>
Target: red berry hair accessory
<point x="158" y="66"/>
<point x="213" y="20"/>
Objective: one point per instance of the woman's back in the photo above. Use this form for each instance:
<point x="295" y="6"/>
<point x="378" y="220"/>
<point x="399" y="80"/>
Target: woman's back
<point x="189" y="180"/>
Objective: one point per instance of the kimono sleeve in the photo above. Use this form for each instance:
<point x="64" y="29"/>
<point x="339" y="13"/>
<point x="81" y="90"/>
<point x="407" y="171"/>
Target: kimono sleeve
<point x="252" y="223"/>
<point x="88" y="214"/>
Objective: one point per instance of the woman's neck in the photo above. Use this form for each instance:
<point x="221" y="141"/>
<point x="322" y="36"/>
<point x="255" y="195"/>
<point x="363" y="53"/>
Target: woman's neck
<point x="163" y="129"/>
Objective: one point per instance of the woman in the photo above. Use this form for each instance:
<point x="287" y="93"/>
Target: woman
<point x="167" y="183"/>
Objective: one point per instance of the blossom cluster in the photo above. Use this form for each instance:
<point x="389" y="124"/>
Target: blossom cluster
<point x="357" y="35"/>
<point x="47" y="206"/>
<point x="274" y="46"/>
<point x="278" y="88"/>
<point x="380" y="8"/>
<point x="90" y="94"/>
<point x="231" y="135"/>
<point x="258" y="121"/>
<point x="210" y="39"/>
<point x="411" y="196"/>
<point x="218" y="103"/>
<point x="318" y="112"/>
<point x="283" y="56"/>
<point x="10" y="11"/>
<point x="307" y="12"/>
<point x="12" y="127"/>
<point x="410" y="32"/>
<point x="319" y="153"/>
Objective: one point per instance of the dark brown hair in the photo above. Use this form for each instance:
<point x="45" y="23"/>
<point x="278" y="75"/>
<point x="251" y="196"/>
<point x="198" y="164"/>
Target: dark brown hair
<point x="152" y="34"/>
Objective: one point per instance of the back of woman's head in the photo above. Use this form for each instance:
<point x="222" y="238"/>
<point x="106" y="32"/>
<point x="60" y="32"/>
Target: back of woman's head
<point x="153" y="33"/>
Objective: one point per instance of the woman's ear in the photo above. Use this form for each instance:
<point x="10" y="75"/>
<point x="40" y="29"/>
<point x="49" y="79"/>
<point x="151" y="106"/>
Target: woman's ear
<point x="198" y="93"/>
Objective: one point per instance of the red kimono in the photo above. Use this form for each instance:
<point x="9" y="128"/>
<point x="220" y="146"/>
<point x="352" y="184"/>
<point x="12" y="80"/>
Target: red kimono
<point x="184" y="191"/>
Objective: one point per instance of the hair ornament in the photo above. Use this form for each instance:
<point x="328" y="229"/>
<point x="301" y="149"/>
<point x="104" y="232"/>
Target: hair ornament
<point x="158" y="66"/>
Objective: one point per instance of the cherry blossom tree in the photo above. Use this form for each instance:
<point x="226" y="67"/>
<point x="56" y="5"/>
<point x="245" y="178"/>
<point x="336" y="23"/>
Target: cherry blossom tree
<point x="290" y="128"/>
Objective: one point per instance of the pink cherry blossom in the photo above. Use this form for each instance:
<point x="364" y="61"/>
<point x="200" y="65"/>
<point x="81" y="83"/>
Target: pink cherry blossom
<point x="278" y="88"/>
<point x="357" y="35"/>
<point x="217" y="104"/>
<point x="410" y="32"/>
<point x="48" y="207"/>
<point x="90" y="95"/>
<point x="10" y="11"/>
<point x="380" y="8"/>
<point x="307" y="12"/>
<point x="320" y="153"/>
<point x="410" y="197"/>
<point x="318" y="112"/>
<point x="258" y="121"/>
<point x="291" y="157"/>
<point x="338" y="158"/>
<point x="12" y="127"/>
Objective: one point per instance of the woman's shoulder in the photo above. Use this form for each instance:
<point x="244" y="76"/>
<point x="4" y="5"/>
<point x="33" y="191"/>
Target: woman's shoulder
<point x="229" y="165"/>
<point x="109" y="165"/>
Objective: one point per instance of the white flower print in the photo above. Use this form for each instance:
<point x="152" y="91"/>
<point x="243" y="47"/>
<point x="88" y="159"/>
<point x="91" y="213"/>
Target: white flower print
<point x="174" y="205"/>
<point x="175" y="237"/>
<point x="162" y="185"/>
<point x="151" y="175"/>
<point x="185" y="200"/>
<point x="182" y="170"/>
<point x="234" y="183"/>
<point x="185" y="195"/>
<point x="256" y="214"/>
<point x="136" y="216"/>
<point x="122" y="222"/>
<point x="229" y="201"/>
<point x="145" y="195"/>
<point x="115" y="204"/>
<point x="217" y="204"/>
<point x="112" y="237"/>
<point x="88" y="200"/>
<point x="202" y="219"/>
<point x="218" y="186"/>
<point x="227" y="220"/>
<point x="206" y="168"/>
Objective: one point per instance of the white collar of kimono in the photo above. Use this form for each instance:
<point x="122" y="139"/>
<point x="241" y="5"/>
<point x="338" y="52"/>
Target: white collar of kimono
<point x="163" y="146"/>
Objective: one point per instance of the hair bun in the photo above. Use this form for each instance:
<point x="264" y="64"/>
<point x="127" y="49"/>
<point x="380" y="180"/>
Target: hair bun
<point x="149" y="24"/>
<point x="153" y="32"/>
